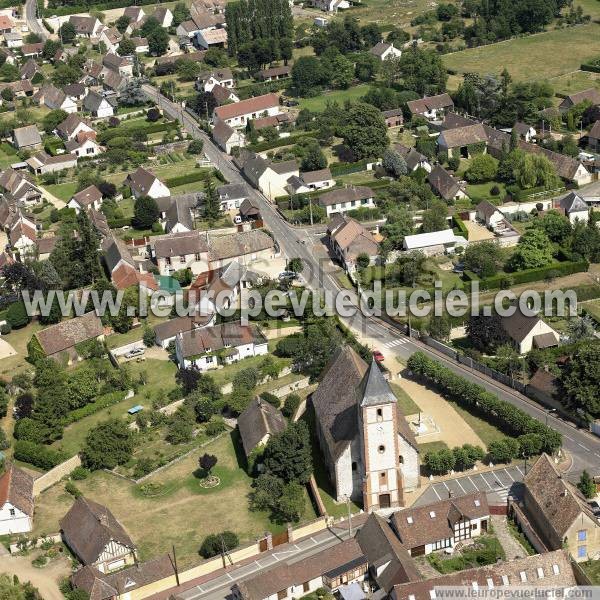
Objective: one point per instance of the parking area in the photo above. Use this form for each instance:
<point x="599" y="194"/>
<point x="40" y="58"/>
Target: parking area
<point x="498" y="484"/>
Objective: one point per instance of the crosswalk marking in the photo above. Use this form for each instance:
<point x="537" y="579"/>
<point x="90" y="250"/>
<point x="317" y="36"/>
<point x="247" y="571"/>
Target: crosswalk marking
<point x="396" y="342"/>
<point x="503" y="493"/>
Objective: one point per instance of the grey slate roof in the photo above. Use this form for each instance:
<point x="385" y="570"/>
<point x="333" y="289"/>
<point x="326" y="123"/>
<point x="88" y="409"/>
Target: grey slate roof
<point x="375" y="390"/>
<point x="232" y="191"/>
<point x="27" y="136"/>
<point x="573" y="202"/>
<point x="444" y="184"/>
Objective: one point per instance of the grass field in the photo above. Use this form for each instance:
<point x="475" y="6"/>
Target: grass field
<point x="18" y="339"/>
<point x="486" y="431"/>
<point x="539" y="56"/>
<point x="63" y="191"/>
<point x="319" y="103"/>
<point x="592" y="570"/>
<point x="405" y="403"/>
<point x="574" y="82"/>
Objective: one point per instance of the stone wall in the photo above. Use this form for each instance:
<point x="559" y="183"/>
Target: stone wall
<point x="54" y="475"/>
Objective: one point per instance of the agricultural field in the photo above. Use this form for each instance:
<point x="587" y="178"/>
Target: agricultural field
<point x="574" y="82"/>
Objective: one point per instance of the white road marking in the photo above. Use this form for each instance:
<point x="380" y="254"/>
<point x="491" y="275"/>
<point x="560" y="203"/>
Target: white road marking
<point x="460" y="486"/>
<point x="436" y="492"/>
<point x="511" y="477"/>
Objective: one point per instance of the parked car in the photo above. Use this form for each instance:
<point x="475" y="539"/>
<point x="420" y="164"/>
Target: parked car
<point x="287" y="275"/>
<point x="135" y="352"/>
<point x="378" y="356"/>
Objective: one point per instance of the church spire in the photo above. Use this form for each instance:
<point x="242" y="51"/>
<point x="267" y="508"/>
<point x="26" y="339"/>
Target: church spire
<point x="374" y="389"/>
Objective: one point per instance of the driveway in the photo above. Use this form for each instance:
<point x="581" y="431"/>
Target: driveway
<point x="46" y="580"/>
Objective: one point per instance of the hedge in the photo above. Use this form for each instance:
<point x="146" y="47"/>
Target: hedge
<point x="47" y="26"/>
<point x="38" y="455"/>
<point x="82" y="8"/>
<point x="93" y="407"/>
<point x="460" y="225"/>
<point x="118" y="223"/>
<point x="477" y="400"/>
<point x="347" y="168"/>
<point x="112" y="132"/>
<point x="278" y="143"/>
<point x="591" y="68"/>
<point x="187" y="178"/>
<point x="558" y="269"/>
<point x="521" y="195"/>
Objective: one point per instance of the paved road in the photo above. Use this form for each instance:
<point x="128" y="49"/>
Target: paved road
<point x="35" y="26"/>
<point x="318" y="273"/>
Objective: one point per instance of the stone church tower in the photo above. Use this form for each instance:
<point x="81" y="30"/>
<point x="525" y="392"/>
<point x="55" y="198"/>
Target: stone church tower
<point x="378" y="419"/>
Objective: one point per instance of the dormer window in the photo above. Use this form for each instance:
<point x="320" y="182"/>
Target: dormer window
<point x="555" y="569"/>
<point x="432" y="514"/>
<point x="477" y="503"/>
<point x="410" y="520"/>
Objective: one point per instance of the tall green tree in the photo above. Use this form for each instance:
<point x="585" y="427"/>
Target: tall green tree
<point x="107" y="445"/>
<point x="211" y="200"/>
<point x="365" y="132"/>
<point x="288" y="454"/>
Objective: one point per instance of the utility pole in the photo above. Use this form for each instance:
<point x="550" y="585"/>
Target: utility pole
<point x="175" y="566"/>
<point x="310" y="208"/>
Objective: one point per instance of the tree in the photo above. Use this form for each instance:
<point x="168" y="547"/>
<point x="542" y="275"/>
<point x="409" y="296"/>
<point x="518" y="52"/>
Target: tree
<point x="7" y="94"/>
<point x="435" y="218"/>
<point x="483" y="168"/>
<point x="288" y="454"/>
<point x="204" y="407"/>
<point x="217" y="543"/>
<point x="307" y="75"/>
<point x="67" y="32"/>
<point x="158" y="42"/>
<point x="107" y="445"/>
<point x="195" y="147"/>
<point x="534" y="170"/>
<point x="267" y="489"/>
<point x="486" y="333"/>
<point x="207" y="463"/>
<point x="145" y="212"/>
<point x="292" y="503"/>
<point x="422" y="71"/>
<point x="581" y="378"/>
<point x="440" y="462"/>
<point x="17" y="315"/>
<point x="126" y="47"/>
<point x="533" y="250"/>
<point x="296" y="265"/>
<point x="502" y="451"/>
<point x="580" y="328"/>
<point x="188" y="70"/>
<point x="399" y="224"/>
<point x="212" y="205"/>
<point x="149" y="337"/>
<point x="586" y="485"/>
<point x="365" y="132"/>
<point x="556" y="226"/>
<point x="394" y="163"/>
<point x="51" y="121"/>
<point x="363" y="260"/>
<point x="313" y="158"/>
<point x="180" y="13"/>
<point x="132" y="94"/>
<point x="483" y="258"/>
<point x="366" y="66"/>
<point x="83" y="386"/>
<point x="122" y="23"/>
<point x="340" y="68"/>
<point x="51" y="47"/>
<point x="440" y="327"/>
<point x="181" y="426"/>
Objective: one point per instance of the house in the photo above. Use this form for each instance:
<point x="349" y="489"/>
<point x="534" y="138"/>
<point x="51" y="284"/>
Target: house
<point x="16" y="501"/>
<point x="274" y="73"/>
<point x="119" y="263"/>
<point x="223" y="95"/>
<point x="6" y="24"/>
<point x="446" y="186"/>
<point x="225" y="289"/>
<point x="89" y="197"/>
<point x="13" y="39"/>
<point x="433" y="108"/>
<point x="489" y="214"/>
<point x="30" y="69"/>
<point x="425" y="529"/>
<point x="179" y="216"/>
<point x="574" y="207"/>
<point x="202" y="6"/>
<point x="211" y="37"/>
<point x="222" y="77"/>
<point x="54" y="98"/>
<point x="342" y="563"/>
<point x="548" y="574"/>
<point x="591" y="94"/>
<point x="524" y="131"/>
<point x="167" y="332"/>
<point x="32" y="50"/>
<point x="20" y="186"/>
<point x="41" y="162"/>
<point x="559" y="514"/>
<point x="72" y="126"/>
<point x="22" y="88"/>
<point x="414" y="160"/>
<point x="187" y="30"/>
<point x="86" y="27"/>
<point x="594" y="137"/>
<point x="141" y="45"/>
<point x="269" y="177"/>
<point x="76" y="91"/>
<point x="45" y="246"/>
<point x="393" y="118"/>
<point x="61" y="340"/>
<point x="369" y="450"/>
<point x="250" y="210"/>
<point x="23" y="236"/>
<point x="134" y="14"/>
<point x="27" y="138"/>
<point x="164" y="16"/>
<point x="123" y="65"/>
<point x="83" y="145"/>
<point x="257" y="423"/>
<point x="275" y="121"/>
<point x="227" y="138"/>
<point x="238" y="114"/>
<point x="384" y="51"/>
<point x="246" y="247"/>
<point x="98" y="105"/>
<point x="435" y="242"/>
<point x="348" y="239"/>
<point x="208" y="347"/>
<point x="331" y="5"/>
<point x="182" y="251"/>
<point x="346" y="199"/>
<point x="456" y="142"/>
<point x="144" y="183"/>
<point x="94" y="535"/>
<point x="528" y="332"/>
<point x="232" y="195"/>
<point x="100" y="223"/>
<point x="390" y="563"/>
<point x="310" y="181"/>
<point x="111" y="38"/>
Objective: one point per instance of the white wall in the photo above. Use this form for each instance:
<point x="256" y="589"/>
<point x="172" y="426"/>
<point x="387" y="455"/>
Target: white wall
<point x="19" y="523"/>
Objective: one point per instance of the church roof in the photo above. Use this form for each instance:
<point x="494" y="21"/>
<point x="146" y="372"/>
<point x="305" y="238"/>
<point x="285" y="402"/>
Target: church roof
<point x="375" y="390"/>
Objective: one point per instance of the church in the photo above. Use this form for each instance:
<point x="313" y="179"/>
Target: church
<point x="369" y="449"/>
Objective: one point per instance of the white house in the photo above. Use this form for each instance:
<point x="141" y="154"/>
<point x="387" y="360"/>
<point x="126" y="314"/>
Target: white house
<point x="54" y="98"/>
<point x="232" y="195"/>
<point x="489" y="214"/>
<point x="343" y="200"/>
<point x="443" y="524"/>
<point x="435" y="242"/>
<point x="432" y="108"/>
<point x="72" y="126"/>
<point x="310" y="181"/>
<point x="222" y="77"/>
<point x="89" y="197"/>
<point x="187" y="250"/>
<point x="98" y="105"/>
<point x="574" y="207"/>
<point x="83" y="146"/>
<point x="528" y="332"/>
<point x="271" y="178"/>
<point x="41" y="162"/>
<point x="227" y="137"/>
<point x="164" y="16"/>
<point x="144" y="183"/>
<point x="331" y="5"/>
<point x="16" y="501"/>
<point x="111" y="39"/>
<point x="384" y="51"/>
<point x="23" y="236"/>
<point x="238" y="114"/>
<point x="209" y="347"/>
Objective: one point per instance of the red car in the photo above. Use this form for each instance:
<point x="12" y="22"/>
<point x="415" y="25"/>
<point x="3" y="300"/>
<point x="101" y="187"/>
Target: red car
<point x="378" y="356"/>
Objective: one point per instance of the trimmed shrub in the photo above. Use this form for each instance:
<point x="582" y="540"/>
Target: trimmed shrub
<point x="38" y="455"/>
<point x="290" y="405"/>
<point x="93" y="407"/>
<point x="193" y="177"/>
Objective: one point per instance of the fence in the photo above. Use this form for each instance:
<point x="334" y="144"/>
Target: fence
<point x="54" y="475"/>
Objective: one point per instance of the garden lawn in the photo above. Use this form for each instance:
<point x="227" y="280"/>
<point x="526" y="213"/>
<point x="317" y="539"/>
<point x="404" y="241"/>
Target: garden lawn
<point x="319" y="103"/>
<point x="227" y="373"/>
<point x="181" y="514"/>
<point x="592" y="570"/>
<point x="63" y="191"/>
<point x="530" y="55"/>
<point x="115" y="340"/>
<point x="8" y="155"/>
<point x="486" y="431"/>
<point x="482" y="191"/>
<point x="593" y="308"/>
<point x="18" y="339"/>
<point x="405" y="403"/>
<point x="431" y="447"/>
<point x="487" y="551"/>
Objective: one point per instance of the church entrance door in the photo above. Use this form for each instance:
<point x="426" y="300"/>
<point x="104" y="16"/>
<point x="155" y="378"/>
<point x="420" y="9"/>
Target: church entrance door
<point x="384" y="500"/>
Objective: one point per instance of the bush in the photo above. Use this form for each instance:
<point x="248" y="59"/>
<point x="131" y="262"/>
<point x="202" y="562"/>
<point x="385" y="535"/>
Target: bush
<point x="215" y="427"/>
<point x="495" y="190"/>
<point x="153" y="115"/>
<point x="17" y="315"/>
<point x="453" y="163"/>
<point x="290" y="405"/>
<point x="38" y="455"/>
<point x="79" y="474"/>
<point x="192" y="177"/>
<point x="99" y="403"/>
<point x="272" y="399"/>
<point x="72" y="489"/>
<point x="196" y="147"/>
<point x="213" y="544"/>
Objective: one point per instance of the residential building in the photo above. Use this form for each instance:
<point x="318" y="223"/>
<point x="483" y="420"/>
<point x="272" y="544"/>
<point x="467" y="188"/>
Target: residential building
<point x="45" y="246"/>
<point x="76" y="91"/>
<point x="164" y="16"/>
<point x="346" y="199"/>
<point x="250" y="210"/>
<point x="61" y="340"/>
<point x="211" y="37"/>
<point x="368" y="447"/>
<point x="257" y="423"/>
<point x="86" y="27"/>
<point x="6" y="24"/>
<point x="20" y="186"/>
<point x="489" y="214"/>
<point x="222" y="77"/>
<point x="187" y="30"/>
<point x="167" y="332"/>
<point x="16" y="501"/>
<point x="524" y="131"/>
<point x="144" y="183"/>
<point x="457" y="142"/>
<point x="594" y="137"/>
<point x="208" y="347"/>
<point x="384" y="51"/>
<point x="433" y="108"/>
<point x="182" y="251"/>
<point x="98" y="105"/>
<point x="134" y="13"/>
<point x="342" y="563"/>
<point x="73" y="125"/>
<point x="528" y="332"/>
<point x="269" y="177"/>
<point x="592" y="95"/>
<point x="32" y="50"/>
<point x="441" y="525"/>
<point x="393" y="118"/>
<point x="446" y="186"/>
<point x="54" y="98"/>
<point x="23" y="236"/>
<point x="238" y="114"/>
<point x="348" y="240"/>
<point x="227" y="138"/>
<point x="274" y="73"/>
<point x="30" y="69"/>
<point x="13" y="39"/>
<point x="551" y="570"/>
<point x="141" y="45"/>
<point x="331" y="6"/>
<point x="574" y="207"/>
<point x="310" y="181"/>
<point x="41" y="162"/>
<point x="83" y="145"/>
<point x="179" y="217"/>
<point x="232" y="195"/>
<point x="27" y="138"/>
<point x="435" y="242"/>
<point x="246" y="247"/>
<point x="223" y="95"/>
<point x="119" y="263"/>
<point x="95" y="536"/>
<point x="123" y="65"/>
<point x="414" y="159"/>
<point x="111" y="38"/>
<point x="89" y="197"/>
